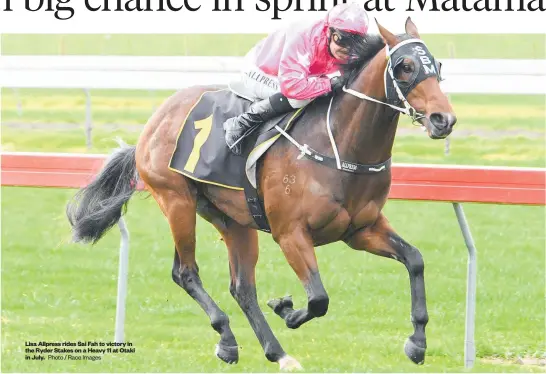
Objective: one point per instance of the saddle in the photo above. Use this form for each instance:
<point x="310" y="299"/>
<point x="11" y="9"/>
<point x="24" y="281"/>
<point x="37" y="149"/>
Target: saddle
<point x="202" y="154"/>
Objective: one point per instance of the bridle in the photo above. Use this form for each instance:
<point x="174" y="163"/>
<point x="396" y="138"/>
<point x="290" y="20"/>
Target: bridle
<point x="389" y="73"/>
<point x="419" y="75"/>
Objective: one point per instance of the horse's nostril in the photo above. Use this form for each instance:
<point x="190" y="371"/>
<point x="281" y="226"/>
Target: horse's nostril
<point x="438" y="120"/>
<point x="441" y="120"/>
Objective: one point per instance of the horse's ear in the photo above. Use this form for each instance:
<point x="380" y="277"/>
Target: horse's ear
<point x="411" y="29"/>
<point x="388" y="37"/>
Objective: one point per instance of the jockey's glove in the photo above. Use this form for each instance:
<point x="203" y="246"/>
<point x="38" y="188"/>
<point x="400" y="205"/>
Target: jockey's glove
<point x="337" y="82"/>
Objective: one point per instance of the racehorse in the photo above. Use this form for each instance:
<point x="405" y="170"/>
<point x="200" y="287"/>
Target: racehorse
<point x="323" y="204"/>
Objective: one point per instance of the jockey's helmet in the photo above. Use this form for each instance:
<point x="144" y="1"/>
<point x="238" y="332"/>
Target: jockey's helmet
<point x="344" y="20"/>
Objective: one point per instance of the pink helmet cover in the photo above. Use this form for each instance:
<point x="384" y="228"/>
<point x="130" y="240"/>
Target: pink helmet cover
<point x="348" y="17"/>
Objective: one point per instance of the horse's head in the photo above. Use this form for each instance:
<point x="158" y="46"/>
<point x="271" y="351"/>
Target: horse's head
<point x="412" y="77"/>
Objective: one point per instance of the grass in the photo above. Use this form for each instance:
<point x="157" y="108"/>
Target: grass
<point x="512" y="115"/>
<point x="485" y="112"/>
<point x="515" y="151"/>
<point x="442" y="45"/>
<point x="476" y="113"/>
<point x="68" y="106"/>
<point x="55" y="291"/>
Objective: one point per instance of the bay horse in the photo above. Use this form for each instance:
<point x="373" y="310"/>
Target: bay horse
<point x="323" y="205"/>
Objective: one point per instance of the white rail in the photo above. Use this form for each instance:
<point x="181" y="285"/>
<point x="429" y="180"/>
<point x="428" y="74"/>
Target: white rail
<point x="174" y="72"/>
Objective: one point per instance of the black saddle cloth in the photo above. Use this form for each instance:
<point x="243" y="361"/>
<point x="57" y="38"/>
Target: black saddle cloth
<point x="201" y="152"/>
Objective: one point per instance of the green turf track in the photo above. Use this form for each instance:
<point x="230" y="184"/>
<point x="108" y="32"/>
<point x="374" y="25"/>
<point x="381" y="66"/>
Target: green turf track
<point x="487" y="112"/>
<point x="55" y="291"/>
<point x="500" y="125"/>
<point x="442" y="45"/>
<point x="516" y="151"/>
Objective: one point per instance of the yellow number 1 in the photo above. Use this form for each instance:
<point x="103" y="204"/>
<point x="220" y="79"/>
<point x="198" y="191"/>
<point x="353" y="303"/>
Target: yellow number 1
<point x="205" y="125"/>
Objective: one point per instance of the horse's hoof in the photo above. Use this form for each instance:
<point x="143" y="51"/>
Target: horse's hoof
<point x="226" y="353"/>
<point x="288" y="363"/>
<point x="414" y="352"/>
<point x="279" y="304"/>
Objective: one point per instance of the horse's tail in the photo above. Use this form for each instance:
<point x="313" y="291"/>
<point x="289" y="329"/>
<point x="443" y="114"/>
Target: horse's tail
<point x="99" y="206"/>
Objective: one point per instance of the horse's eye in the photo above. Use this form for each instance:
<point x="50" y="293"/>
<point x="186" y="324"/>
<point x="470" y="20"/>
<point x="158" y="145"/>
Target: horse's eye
<point x="403" y="70"/>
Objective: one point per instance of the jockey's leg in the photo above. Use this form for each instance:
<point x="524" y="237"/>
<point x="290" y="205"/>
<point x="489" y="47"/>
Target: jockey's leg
<point x="257" y="114"/>
<point x="273" y="104"/>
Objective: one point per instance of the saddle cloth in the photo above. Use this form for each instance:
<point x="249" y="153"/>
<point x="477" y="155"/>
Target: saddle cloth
<point x="201" y="152"/>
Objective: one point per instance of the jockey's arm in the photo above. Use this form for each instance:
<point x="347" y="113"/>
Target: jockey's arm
<point x="294" y="78"/>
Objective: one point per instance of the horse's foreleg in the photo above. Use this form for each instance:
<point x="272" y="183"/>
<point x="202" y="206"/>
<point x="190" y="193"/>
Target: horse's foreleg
<point x="180" y="209"/>
<point x="242" y="243"/>
<point x="380" y="239"/>
<point x="300" y="253"/>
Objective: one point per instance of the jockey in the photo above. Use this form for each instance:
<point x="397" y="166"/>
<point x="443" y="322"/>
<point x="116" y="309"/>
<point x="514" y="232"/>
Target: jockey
<point x="288" y="68"/>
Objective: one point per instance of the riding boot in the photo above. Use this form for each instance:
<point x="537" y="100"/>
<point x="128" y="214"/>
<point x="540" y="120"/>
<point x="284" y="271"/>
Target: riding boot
<point x="257" y="114"/>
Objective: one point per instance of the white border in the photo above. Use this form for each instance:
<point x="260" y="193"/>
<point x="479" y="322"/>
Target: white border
<point x="250" y="20"/>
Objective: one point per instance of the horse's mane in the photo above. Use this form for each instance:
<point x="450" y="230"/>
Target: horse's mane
<point x="361" y="53"/>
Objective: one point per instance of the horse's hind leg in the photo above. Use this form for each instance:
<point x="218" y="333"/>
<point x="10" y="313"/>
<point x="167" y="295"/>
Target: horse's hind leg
<point x="242" y="244"/>
<point x="380" y="239"/>
<point x="180" y="209"/>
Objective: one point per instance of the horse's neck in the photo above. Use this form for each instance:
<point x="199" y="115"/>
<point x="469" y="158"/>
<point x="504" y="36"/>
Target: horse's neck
<point x="364" y="131"/>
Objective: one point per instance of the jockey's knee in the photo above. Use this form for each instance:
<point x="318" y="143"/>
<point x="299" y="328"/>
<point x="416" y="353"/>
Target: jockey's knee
<point x="282" y="104"/>
<point x="296" y="104"/>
